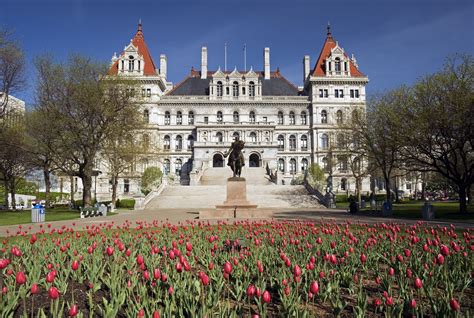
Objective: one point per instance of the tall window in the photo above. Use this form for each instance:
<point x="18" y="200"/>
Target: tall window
<point x="292" y="143"/>
<point x="166" y="143"/>
<point x="325" y="163"/>
<point x="252" y="117"/>
<point x="179" y="143"/>
<point x="126" y="185"/>
<point x="342" y="163"/>
<point x="293" y="166"/>
<point x="219" y="137"/>
<point x="337" y="65"/>
<point x="219" y="89"/>
<point x="146" y="116"/>
<point x="339" y="117"/>
<point x="178" y="164"/>
<point x="219" y="117"/>
<point x="280" y="118"/>
<point x="303" y="118"/>
<point x="281" y="165"/>
<point x="166" y="166"/>
<point x="251" y="89"/>
<point x="304" y="143"/>
<point x="304" y="164"/>
<point x="324" y="141"/>
<point x="131" y="63"/>
<point x="324" y="117"/>
<point x="235" y="89"/>
<point x="179" y="118"/>
<point x="292" y="118"/>
<point x="281" y="142"/>
<point x="343" y="184"/>
<point x="191" y="118"/>
<point x="190" y="142"/>
<point x="235" y="135"/>
<point x="236" y="118"/>
<point x="253" y="137"/>
<point x="139" y="64"/>
<point x="167" y="118"/>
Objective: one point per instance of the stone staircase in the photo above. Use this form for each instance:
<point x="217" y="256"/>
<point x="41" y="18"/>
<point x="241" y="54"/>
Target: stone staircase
<point x="212" y="191"/>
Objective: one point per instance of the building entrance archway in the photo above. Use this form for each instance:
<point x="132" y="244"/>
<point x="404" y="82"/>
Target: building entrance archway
<point x="218" y="161"/>
<point x="254" y="160"/>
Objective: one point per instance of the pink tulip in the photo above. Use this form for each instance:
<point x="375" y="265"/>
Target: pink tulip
<point x="53" y="293"/>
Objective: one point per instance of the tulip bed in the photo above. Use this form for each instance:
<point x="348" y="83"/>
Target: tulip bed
<point x="242" y="269"/>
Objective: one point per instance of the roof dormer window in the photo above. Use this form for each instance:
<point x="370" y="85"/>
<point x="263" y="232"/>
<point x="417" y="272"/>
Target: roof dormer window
<point x="252" y="89"/>
<point x="131" y="63"/>
<point x="337" y="65"/>
<point x="219" y="89"/>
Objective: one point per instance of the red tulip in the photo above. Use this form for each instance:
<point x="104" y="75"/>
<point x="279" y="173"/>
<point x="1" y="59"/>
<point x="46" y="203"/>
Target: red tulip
<point x="146" y="275"/>
<point x="34" y="289"/>
<point x="407" y="252"/>
<point x="440" y="259"/>
<point x="391" y="271"/>
<point x="418" y="283"/>
<point x="205" y="279"/>
<point x="363" y="258"/>
<point x="296" y="271"/>
<point x="377" y="302"/>
<point x="171" y="290"/>
<point x="389" y="301"/>
<point x="51" y="276"/>
<point x="266" y="297"/>
<point x="73" y="311"/>
<point x="227" y="268"/>
<point x="314" y="287"/>
<point x="4" y="263"/>
<point x="110" y="250"/>
<point x="251" y="290"/>
<point x="444" y="250"/>
<point x="75" y="265"/>
<point x="189" y="247"/>
<point x="413" y="303"/>
<point x="156" y="314"/>
<point x="20" y="278"/>
<point x="156" y="274"/>
<point x="179" y="267"/>
<point x="53" y="293"/>
<point x="454" y="304"/>
<point x="139" y="259"/>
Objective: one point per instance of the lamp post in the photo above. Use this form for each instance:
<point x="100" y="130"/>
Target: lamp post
<point x="95" y="173"/>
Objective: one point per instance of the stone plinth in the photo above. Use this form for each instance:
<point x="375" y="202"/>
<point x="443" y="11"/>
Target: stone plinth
<point x="236" y="204"/>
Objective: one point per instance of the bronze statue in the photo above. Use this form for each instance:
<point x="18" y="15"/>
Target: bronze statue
<point x="236" y="159"/>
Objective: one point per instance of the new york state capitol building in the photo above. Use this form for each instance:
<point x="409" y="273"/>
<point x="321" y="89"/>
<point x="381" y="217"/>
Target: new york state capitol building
<point x="285" y="128"/>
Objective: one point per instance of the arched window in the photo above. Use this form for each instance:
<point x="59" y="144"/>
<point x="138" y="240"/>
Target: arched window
<point x="324" y="141"/>
<point x="166" y="142"/>
<point x="280" y="118"/>
<point x="166" y="166"/>
<point x="281" y="165"/>
<point x="337" y="65"/>
<point x="253" y="137"/>
<point x="292" y="165"/>
<point x="325" y="163"/>
<point x="179" y="143"/>
<point x="281" y="142"/>
<point x="131" y="63"/>
<point x="190" y="142"/>
<point x="324" y="117"/>
<point x="146" y="116"/>
<point x="252" y="117"/>
<point x="251" y="89"/>
<point x="304" y="143"/>
<point x="178" y="164"/>
<point x="191" y="118"/>
<point x="236" y="135"/>
<point x="179" y="118"/>
<point x="145" y="141"/>
<point x="304" y="164"/>
<point x="219" y="117"/>
<point x="219" y="137"/>
<point x="236" y="117"/>
<point x="344" y="184"/>
<point x="167" y="118"/>
<point x="303" y="118"/>
<point x="235" y="89"/>
<point x="292" y="143"/>
<point x="339" y="119"/>
<point x="342" y="163"/>
<point x="292" y="118"/>
<point x="219" y="89"/>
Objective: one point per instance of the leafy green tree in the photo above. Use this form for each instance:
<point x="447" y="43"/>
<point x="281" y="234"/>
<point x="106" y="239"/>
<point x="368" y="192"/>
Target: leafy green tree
<point x="151" y="179"/>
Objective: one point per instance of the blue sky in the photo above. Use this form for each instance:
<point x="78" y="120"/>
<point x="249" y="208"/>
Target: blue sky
<point x="395" y="42"/>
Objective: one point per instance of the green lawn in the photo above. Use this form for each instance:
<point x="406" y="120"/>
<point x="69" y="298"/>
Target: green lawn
<point x="21" y="217"/>
<point x="412" y="210"/>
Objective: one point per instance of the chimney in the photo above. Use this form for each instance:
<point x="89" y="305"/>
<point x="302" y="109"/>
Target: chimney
<point x="204" y="62"/>
<point x="163" y="68"/>
<point x="266" y="57"/>
<point x="305" y="67"/>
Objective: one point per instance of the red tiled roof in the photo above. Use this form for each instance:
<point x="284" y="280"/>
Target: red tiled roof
<point x="320" y="66"/>
<point x="139" y="42"/>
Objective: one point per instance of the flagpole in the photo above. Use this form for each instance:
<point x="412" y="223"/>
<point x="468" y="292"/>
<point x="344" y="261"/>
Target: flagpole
<point x="245" y="57"/>
<point x="225" y="57"/>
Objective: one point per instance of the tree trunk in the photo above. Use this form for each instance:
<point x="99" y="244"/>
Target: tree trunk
<point x="114" y="189"/>
<point x="423" y="187"/>
<point x="12" y="193"/>
<point x="462" y="199"/>
<point x="86" y="189"/>
<point x="61" y="189"/>
<point x="47" y="185"/>
<point x="387" y="189"/>
<point x="359" y="191"/>
<point x="397" y="197"/>
<point x="469" y="194"/>
<point x="6" y="194"/>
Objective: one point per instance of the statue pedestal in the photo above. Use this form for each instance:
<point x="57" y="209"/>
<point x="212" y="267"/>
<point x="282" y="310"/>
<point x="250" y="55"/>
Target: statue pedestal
<point x="236" y="204"/>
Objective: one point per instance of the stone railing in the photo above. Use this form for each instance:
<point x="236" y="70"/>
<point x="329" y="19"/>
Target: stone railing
<point x="195" y="176"/>
<point x="141" y="202"/>
<point x="323" y="199"/>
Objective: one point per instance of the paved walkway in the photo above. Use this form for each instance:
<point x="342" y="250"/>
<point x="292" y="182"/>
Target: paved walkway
<point x="176" y="216"/>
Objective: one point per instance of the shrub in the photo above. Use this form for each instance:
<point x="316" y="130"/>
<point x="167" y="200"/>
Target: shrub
<point x="126" y="203"/>
<point x="151" y="179"/>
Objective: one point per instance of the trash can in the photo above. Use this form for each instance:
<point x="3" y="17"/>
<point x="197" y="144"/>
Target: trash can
<point x="38" y="213"/>
<point x="427" y="211"/>
<point x="387" y="209"/>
